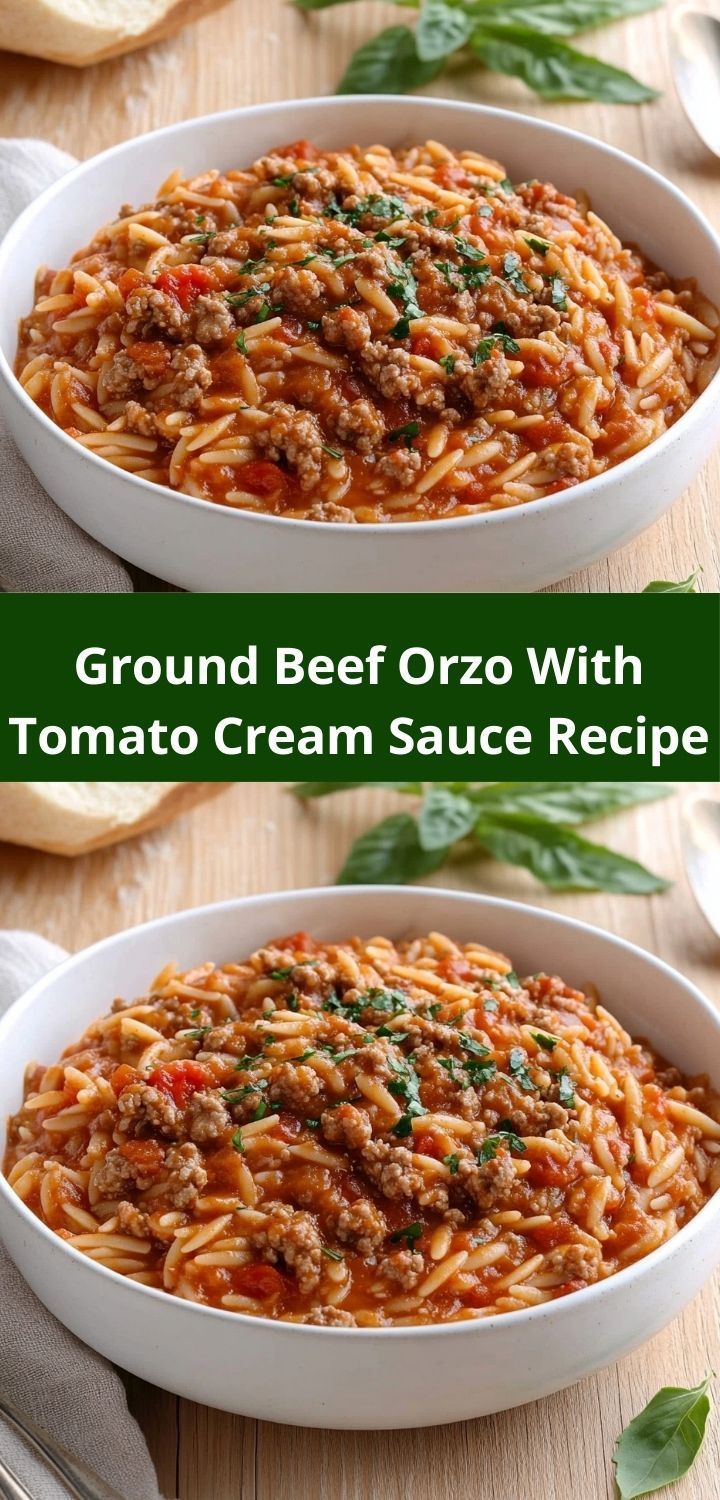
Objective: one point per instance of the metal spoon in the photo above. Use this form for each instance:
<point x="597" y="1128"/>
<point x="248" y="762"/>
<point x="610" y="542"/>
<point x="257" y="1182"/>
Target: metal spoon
<point x="695" y="58"/>
<point x="77" y="1479"/>
<point x="701" y="850"/>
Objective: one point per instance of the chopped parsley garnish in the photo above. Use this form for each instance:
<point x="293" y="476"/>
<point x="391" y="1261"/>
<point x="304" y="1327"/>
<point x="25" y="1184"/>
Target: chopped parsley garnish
<point x="313" y="1124"/>
<point x="512" y="271"/>
<point x="298" y="264"/>
<point x="484" y="211"/>
<point x="543" y="1040"/>
<point x="332" y="1254"/>
<point x="469" y="1044"/>
<point x="434" y="1009"/>
<point x="506" y="185"/>
<point x="408" y="432"/>
<point x="452" y="1162"/>
<point x="498" y="339"/>
<point x="195" y="1012"/>
<point x="294" y="208"/>
<point x="240" y="299"/>
<point x="558" y="292"/>
<point x="309" y="1052"/>
<point x="390" y="1002"/>
<point x="404" y="288"/>
<point x="237" y="1141"/>
<point x="261" y="1110"/>
<point x="512" y="979"/>
<point x="198" y="1032"/>
<point x="233" y="1096"/>
<point x="448" y="362"/>
<point x="410" y="1233"/>
<point x="204" y="238"/>
<point x="468" y="251"/>
<point x="493" y="1143"/>
<point x="566" y="1091"/>
<point x="283" y="181"/>
<point x="540" y="247"/>
<point x="490" y="1004"/>
<point x="478" y="1072"/>
<point x="240" y="343"/>
<point x="292" y="1002"/>
<point x="333" y="452"/>
<point x="313" y="324"/>
<point x="463" y="278"/>
<point x="305" y="963"/>
<point x="393" y="240"/>
<point x="517" y="1068"/>
<point x="454" y="1069"/>
<point x="337" y="257"/>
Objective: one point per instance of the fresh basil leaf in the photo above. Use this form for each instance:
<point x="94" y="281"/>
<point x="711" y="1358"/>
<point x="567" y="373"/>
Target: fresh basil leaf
<point x="666" y="586"/>
<point x="552" y="69"/>
<point x="557" y="17"/>
<point x="388" y="64"/>
<point x="567" y="802"/>
<point x="562" y="859"/>
<point x="662" y="1443"/>
<point x="389" y="853"/>
<point x="444" y="818"/>
<point x="316" y="4"/>
<point x="306" y="790"/>
<point x="441" y="29"/>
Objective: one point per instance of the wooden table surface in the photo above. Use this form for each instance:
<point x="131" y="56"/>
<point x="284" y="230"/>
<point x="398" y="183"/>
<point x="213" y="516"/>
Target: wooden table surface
<point x="258" y="50"/>
<point x="258" y="838"/>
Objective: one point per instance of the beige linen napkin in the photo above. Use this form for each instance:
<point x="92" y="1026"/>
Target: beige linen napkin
<point x="45" y="1372"/>
<point x="41" y="549"/>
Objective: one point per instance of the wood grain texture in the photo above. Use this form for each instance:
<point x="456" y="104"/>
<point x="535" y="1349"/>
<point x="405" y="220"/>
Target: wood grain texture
<point x="257" y="50"/>
<point x="258" y="838"/>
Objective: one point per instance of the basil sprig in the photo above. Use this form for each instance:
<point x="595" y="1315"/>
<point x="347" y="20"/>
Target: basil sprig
<point x="526" y="823"/>
<point x="668" y="586"/>
<point x="662" y="1443"/>
<point x="521" y="38"/>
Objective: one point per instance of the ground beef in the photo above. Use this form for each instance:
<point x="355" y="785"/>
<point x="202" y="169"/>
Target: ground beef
<point x="294" y="1238"/>
<point x="206" y="1117"/>
<point x="295" y="1087"/>
<point x="190" y="377"/>
<point x="328" y="510"/>
<point x="359" y="1224"/>
<point x="483" y="385"/>
<point x="150" y="312"/>
<point x="123" y="377"/>
<point x="575" y="1262"/>
<point x="229" y="242"/>
<point x="391" y="1169"/>
<point x="572" y="460"/>
<point x="347" y="327"/>
<point x="116" y="1174"/>
<point x="403" y="1269"/>
<point x="359" y="423"/>
<point x="488" y="1184"/>
<point x="300" y="292"/>
<point x="401" y="466"/>
<point x="186" y="1176"/>
<point x="346" y="1126"/>
<point x="224" y="1039"/>
<point x="295" y="436"/>
<point x="137" y="419"/>
<point x="212" y="319"/>
<point x="530" y="1115"/>
<point x="145" y="1109"/>
<point x="132" y="1220"/>
<point x="330" y="1317"/>
<point x="391" y="371"/>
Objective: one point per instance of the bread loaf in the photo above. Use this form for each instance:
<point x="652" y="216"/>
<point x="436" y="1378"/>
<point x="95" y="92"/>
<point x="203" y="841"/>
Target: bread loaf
<point x="79" y="32"/>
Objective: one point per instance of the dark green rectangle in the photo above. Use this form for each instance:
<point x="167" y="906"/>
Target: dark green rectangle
<point x="676" y="640"/>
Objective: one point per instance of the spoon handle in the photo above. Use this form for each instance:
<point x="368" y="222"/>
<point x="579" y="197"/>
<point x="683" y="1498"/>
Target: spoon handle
<point x="81" y="1483"/>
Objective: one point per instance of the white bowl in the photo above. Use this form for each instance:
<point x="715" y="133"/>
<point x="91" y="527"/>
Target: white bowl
<point x="359" y="1378"/>
<point x="211" y="548"/>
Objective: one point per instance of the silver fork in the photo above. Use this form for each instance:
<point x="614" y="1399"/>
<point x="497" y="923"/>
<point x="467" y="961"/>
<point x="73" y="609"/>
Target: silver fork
<point x="78" y="1480"/>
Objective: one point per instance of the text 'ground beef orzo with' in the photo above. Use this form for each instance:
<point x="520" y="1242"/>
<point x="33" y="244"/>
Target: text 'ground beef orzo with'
<point x="364" y="1135"/>
<point x="364" y="336"/>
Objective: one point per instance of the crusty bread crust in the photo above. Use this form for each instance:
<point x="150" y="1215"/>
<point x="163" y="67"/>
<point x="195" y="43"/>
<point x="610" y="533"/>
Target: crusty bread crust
<point x="27" y="26"/>
<point x="22" y="818"/>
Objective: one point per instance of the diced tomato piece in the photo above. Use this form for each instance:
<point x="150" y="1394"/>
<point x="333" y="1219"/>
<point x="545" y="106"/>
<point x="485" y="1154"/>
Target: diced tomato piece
<point x="261" y="1282"/>
<point x="130" y="280"/>
<point x="147" y="1155"/>
<point x="450" y="175"/>
<point x="288" y="1126"/>
<point x="424" y="1142"/>
<point x="151" y="354"/>
<point x="292" y="327"/>
<point x="122" y="1077"/>
<point x="186" y="283"/>
<point x="424" y="345"/>
<point x="261" y="477"/>
<point x="180" y="1080"/>
<point x="297" y="942"/>
<point x="303" y="150"/>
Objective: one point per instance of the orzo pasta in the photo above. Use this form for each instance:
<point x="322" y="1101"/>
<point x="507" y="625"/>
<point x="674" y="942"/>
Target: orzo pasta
<point x="364" y="336"/>
<point x="364" y="1134"/>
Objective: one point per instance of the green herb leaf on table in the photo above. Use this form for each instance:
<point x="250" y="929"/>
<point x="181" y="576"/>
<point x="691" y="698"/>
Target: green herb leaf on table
<point x="388" y="64"/>
<point x="667" y="586"/>
<point x="390" y="853"/>
<point x="552" y="69"/>
<point x="557" y="17"/>
<point x="562" y="859"/>
<point x="569" y="802"/>
<point x="661" y="1444"/>
<point x="442" y="29"/>
<point x="444" y="818"/>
